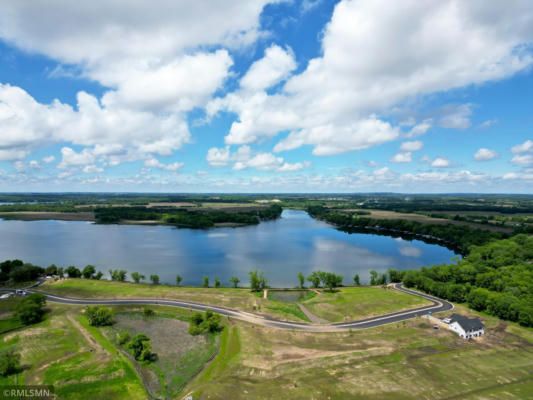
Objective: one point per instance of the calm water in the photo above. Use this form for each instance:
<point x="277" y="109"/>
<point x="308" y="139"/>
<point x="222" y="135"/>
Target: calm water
<point x="281" y="248"/>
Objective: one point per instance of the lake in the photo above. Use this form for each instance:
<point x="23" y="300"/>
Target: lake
<point x="281" y="248"/>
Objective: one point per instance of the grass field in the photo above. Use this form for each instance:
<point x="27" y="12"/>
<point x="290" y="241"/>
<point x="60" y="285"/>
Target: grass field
<point x="348" y="304"/>
<point x="408" y="360"/>
<point x="76" y="358"/>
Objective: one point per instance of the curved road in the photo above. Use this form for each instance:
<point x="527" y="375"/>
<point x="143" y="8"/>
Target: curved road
<point x="438" y="305"/>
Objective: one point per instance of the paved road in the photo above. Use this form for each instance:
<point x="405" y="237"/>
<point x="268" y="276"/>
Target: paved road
<point x="438" y="305"/>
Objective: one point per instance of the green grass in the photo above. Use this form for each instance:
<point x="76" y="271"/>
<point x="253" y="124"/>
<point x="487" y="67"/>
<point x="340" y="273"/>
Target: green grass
<point x="285" y="309"/>
<point x="348" y="304"/>
<point x="407" y="360"/>
<point x="58" y="351"/>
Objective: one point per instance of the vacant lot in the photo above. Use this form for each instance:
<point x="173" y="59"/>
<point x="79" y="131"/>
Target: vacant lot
<point x="346" y="304"/>
<point x="66" y="352"/>
<point x="179" y="355"/>
<point x="349" y="304"/>
<point x="408" y="360"/>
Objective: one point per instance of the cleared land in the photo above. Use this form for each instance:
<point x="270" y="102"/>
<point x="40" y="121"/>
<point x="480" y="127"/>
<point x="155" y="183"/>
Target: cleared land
<point x="355" y="303"/>
<point x="76" y="358"/>
<point x="424" y="219"/>
<point x="348" y="304"/>
<point x="180" y="355"/>
<point x="408" y="360"/>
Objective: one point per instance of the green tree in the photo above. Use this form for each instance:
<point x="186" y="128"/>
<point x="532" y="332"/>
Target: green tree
<point x="356" y="280"/>
<point x="73" y="272"/>
<point x="99" y="316"/>
<point x="373" y="277"/>
<point x="314" y="278"/>
<point x="301" y="279"/>
<point x="51" y="270"/>
<point x="235" y="281"/>
<point x="88" y="271"/>
<point x="141" y="347"/>
<point x="205" y="282"/>
<point x="61" y="272"/>
<point x="137" y="277"/>
<point x="178" y="280"/>
<point x="257" y="280"/>
<point x="98" y="275"/>
<point x="9" y="362"/>
<point x="217" y="282"/>
<point x="31" y="309"/>
<point x="154" y="279"/>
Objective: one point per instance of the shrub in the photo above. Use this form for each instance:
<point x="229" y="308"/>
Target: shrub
<point x="141" y="347"/>
<point x="123" y="338"/>
<point x="9" y="362"/>
<point x="99" y="316"/>
<point x="203" y="323"/>
<point x="148" y="312"/>
<point x="31" y="309"/>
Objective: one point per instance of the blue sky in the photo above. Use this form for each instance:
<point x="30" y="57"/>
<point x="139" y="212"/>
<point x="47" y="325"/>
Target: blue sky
<point x="266" y="96"/>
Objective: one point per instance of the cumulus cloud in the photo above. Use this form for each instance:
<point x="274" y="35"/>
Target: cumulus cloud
<point x="154" y="163"/>
<point x="411" y="146"/>
<point x="48" y="159"/>
<point x="326" y="104"/>
<point x="526" y="159"/>
<point x="441" y="162"/>
<point x="402" y="158"/>
<point x="526" y="147"/>
<point x="484" y="154"/>
<point x="419" y="129"/>
<point x="244" y="158"/>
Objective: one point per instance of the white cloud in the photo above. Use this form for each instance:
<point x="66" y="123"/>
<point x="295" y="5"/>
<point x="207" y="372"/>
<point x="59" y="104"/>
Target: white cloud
<point x="484" y="154"/>
<point x="488" y="123"/>
<point x="274" y="67"/>
<point x="154" y="163"/>
<point x="526" y="159"/>
<point x="456" y="117"/>
<point x="71" y="158"/>
<point x="411" y="146"/>
<point x="441" y="162"/>
<point x="244" y="158"/>
<point x="402" y="158"/>
<point x="48" y="159"/>
<point x="362" y="71"/>
<point x="526" y="147"/>
<point x="91" y="169"/>
<point x="419" y="129"/>
<point x="34" y="164"/>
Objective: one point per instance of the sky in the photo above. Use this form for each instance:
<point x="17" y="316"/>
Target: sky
<point x="266" y="96"/>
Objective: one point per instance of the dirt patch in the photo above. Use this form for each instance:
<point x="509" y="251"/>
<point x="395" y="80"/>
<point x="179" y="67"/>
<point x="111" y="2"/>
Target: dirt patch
<point x="176" y="205"/>
<point x="314" y="319"/>
<point x="169" y="336"/>
<point x="92" y="342"/>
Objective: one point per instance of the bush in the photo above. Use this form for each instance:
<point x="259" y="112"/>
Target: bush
<point x="99" y="316"/>
<point x="9" y="362"/>
<point x="141" y="347"/>
<point x="203" y="323"/>
<point x="73" y="272"/>
<point x="148" y="312"/>
<point x="30" y="310"/>
<point x="124" y="338"/>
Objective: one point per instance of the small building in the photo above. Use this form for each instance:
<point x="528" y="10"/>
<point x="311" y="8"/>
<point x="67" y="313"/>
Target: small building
<point x="466" y="327"/>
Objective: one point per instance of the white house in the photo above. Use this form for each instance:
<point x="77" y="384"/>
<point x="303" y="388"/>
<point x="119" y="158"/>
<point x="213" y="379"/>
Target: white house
<point x="466" y="327"/>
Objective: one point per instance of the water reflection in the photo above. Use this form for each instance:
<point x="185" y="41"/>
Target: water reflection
<point x="281" y="248"/>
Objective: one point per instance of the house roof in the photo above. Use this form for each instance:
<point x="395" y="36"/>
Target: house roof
<point x="468" y="324"/>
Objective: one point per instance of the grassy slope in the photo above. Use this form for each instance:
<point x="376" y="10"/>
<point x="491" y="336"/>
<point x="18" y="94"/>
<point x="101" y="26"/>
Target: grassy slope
<point x="66" y="352"/>
<point x="353" y="302"/>
<point x="349" y="304"/>
<point x="407" y="360"/>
